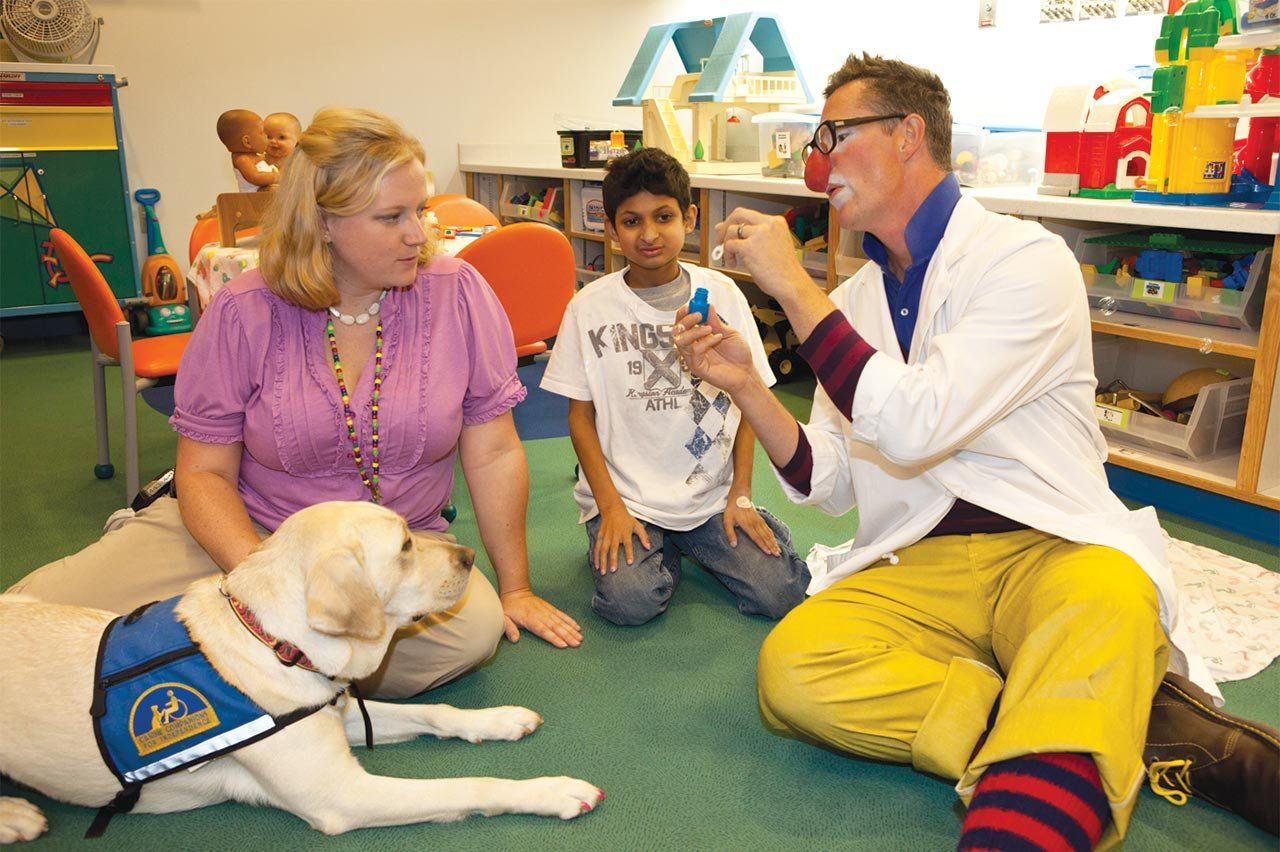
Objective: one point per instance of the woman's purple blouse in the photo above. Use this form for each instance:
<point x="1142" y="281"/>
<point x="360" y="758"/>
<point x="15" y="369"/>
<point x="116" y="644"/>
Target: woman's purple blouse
<point x="259" y="371"/>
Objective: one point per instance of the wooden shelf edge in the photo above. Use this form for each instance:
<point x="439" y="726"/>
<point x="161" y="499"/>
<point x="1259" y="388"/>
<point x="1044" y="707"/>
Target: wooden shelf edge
<point x="1205" y="483"/>
<point x="732" y="273"/>
<point x="587" y="235"/>
<point x="742" y="276"/>
<point x="1184" y="341"/>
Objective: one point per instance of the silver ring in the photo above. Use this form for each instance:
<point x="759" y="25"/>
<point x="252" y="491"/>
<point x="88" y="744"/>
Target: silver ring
<point x="740" y="224"/>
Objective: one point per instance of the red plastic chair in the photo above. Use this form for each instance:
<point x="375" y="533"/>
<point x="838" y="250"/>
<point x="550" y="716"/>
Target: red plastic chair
<point x="459" y="211"/>
<point x="142" y="362"/>
<point x="530" y="267"/>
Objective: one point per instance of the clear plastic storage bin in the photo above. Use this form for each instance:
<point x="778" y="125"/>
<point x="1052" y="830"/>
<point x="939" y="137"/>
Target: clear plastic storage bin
<point x="995" y="156"/>
<point x="783" y="136"/>
<point x="591" y="202"/>
<point x="1216" y="423"/>
<point x="551" y="215"/>
<point x="1123" y="289"/>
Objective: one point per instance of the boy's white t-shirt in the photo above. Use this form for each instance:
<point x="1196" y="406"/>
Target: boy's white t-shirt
<point x="667" y="437"/>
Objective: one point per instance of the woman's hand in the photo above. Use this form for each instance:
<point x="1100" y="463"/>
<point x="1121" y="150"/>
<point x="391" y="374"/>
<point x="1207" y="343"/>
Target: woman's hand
<point x="498" y="476"/>
<point x="617" y="526"/>
<point x="522" y="608"/>
<point x="713" y="351"/>
<point x="744" y="514"/>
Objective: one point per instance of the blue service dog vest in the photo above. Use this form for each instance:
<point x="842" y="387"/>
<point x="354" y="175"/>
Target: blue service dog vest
<point x="160" y="706"/>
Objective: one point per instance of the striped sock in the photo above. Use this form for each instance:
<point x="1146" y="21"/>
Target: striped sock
<point x="1037" y="802"/>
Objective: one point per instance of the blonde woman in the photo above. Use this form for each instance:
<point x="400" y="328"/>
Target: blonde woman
<point x="353" y="364"/>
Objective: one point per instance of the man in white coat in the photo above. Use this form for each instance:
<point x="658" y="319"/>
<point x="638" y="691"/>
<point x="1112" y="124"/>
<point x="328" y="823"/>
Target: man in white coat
<point x="1001" y="619"/>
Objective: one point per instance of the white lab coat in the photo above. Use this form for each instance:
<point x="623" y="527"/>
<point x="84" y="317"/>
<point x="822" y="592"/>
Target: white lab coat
<point x="995" y="405"/>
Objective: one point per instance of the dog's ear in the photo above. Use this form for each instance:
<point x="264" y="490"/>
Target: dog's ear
<point x="340" y="599"/>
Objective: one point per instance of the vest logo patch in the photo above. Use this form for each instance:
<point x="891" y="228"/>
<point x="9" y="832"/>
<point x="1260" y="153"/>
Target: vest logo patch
<point x="166" y="714"/>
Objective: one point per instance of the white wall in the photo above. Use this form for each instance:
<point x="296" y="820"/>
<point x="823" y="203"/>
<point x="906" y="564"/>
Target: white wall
<point x="502" y="70"/>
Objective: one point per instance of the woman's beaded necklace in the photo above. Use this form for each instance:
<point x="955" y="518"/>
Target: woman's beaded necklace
<point x="369" y="475"/>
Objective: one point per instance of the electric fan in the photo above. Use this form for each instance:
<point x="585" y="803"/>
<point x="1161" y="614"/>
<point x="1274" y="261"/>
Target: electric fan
<point x="50" y="30"/>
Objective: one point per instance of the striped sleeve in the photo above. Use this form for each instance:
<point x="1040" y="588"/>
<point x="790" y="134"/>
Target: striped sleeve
<point x="837" y="355"/>
<point x="799" y="471"/>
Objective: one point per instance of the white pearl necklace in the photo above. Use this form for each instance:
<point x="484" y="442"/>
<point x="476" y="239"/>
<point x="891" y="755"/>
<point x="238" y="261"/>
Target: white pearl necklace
<point x="360" y="319"/>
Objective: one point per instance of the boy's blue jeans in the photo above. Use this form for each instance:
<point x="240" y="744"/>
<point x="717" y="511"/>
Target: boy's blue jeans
<point x="763" y="584"/>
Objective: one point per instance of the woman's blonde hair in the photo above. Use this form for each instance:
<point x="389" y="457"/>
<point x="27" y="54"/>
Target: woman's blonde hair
<point x="337" y="168"/>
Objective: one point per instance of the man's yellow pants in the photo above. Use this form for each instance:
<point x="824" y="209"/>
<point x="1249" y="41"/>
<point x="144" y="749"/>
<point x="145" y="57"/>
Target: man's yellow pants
<point x="1041" y="644"/>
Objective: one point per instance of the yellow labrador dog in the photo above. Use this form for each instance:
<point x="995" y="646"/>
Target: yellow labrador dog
<point x="336" y="580"/>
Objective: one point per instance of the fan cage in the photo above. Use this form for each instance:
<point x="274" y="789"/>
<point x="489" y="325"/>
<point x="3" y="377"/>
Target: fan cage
<point x="48" y="29"/>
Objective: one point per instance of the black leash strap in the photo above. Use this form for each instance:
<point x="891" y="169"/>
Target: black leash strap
<point x="364" y="713"/>
<point x="121" y="804"/>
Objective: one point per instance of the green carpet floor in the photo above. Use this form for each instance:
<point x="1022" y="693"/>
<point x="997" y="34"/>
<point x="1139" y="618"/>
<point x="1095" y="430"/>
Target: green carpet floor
<point x="662" y="717"/>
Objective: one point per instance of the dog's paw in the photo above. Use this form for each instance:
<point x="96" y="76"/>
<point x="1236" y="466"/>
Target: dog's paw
<point x="499" y="723"/>
<point x="562" y="797"/>
<point x="20" y="820"/>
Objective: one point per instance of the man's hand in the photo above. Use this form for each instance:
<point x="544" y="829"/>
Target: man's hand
<point x="763" y="247"/>
<point x="522" y="608"/>
<point x="617" y="526"/>
<point x="742" y="513"/>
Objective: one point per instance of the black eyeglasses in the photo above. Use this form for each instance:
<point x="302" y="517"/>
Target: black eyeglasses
<point x="824" y="137"/>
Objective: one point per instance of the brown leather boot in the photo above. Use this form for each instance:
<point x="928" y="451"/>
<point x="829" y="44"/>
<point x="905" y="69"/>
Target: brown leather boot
<point x="1195" y="748"/>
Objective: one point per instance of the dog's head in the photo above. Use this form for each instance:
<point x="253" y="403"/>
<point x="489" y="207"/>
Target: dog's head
<point x="365" y="574"/>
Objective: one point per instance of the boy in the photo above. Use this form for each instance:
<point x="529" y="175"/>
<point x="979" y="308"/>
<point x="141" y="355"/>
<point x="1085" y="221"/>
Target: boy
<point x="662" y="457"/>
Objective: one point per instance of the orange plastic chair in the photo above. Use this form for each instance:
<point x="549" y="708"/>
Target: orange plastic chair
<point x="210" y="231"/>
<point x="204" y="232"/>
<point x="142" y="362"/>
<point x="459" y="211"/>
<point x="530" y="267"/>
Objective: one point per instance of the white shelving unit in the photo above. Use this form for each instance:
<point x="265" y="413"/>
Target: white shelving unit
<point x="1251" y="474"/>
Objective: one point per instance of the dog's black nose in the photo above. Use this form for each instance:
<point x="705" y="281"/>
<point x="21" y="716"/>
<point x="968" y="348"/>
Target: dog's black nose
<point x="466" y="557"/>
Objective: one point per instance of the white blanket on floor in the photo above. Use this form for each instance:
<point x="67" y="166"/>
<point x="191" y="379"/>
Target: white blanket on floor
<point x="1230" y="606"/>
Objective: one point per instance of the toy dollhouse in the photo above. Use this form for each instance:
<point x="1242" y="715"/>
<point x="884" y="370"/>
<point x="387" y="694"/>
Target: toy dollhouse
<point x="1097" y="140"/>
<point x="714" y="87"/>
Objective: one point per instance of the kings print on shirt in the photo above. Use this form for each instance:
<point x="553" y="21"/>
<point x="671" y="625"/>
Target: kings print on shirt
<point x="658" y="384"/>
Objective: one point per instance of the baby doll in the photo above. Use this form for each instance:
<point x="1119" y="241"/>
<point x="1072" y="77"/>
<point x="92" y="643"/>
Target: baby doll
<point x="241" y="131"/>
<point x="283" y="130"/>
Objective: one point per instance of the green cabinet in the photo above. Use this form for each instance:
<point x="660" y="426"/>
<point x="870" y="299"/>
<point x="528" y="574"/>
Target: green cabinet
<point x="61" y="166"/>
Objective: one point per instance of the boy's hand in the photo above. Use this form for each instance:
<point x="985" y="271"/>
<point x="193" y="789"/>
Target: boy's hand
<point x="741" y="513"/>
<point x="616" y="529"/>
<point x="713" y="351"/>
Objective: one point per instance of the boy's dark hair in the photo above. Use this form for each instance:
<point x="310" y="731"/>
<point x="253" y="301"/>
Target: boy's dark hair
<point x="894" y="86"/>
<point x="649" y="169"/>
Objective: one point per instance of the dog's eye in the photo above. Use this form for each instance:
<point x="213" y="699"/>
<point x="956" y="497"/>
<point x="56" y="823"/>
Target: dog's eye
<point x="407" y="546"/>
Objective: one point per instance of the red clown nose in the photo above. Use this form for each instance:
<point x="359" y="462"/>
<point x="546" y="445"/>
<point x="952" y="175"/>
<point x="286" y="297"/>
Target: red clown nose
<point x="817" y="170"/>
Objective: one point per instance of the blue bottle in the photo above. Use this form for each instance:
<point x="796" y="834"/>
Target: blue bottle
<point x="698" y="304"/>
